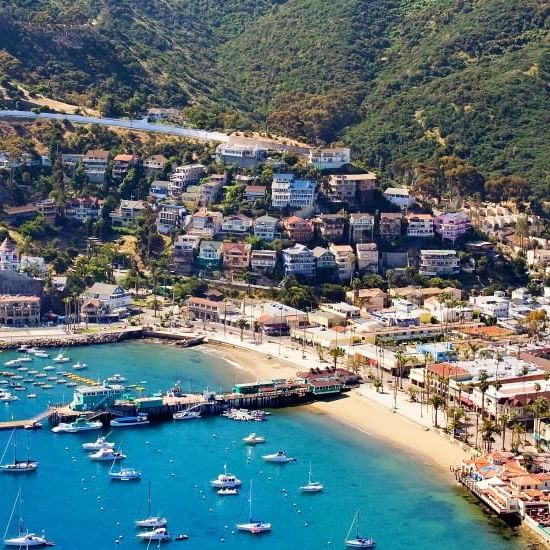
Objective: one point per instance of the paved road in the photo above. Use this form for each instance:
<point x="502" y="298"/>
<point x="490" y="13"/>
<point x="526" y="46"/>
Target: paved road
<point x="141" y="125"/>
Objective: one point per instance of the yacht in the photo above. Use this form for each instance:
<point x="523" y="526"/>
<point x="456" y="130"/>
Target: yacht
<point x="60" y="358"/>
<point x="151" y="522"/>
<point x="7" y="397"/>
<point x="18" y="466"/>
<point x="255" y="527"/>
<point x="160" y="534"/>
<point x="99" y="443"/>
<point x="79" y="365"/>
<point x="128" y="421"/>
<point x="186" y="415"/>
<point x="25" y="359"/>
<point x="227" y="492"/>
<point x="225" y="480"/>
<point x="41" y="354"/>
<point x="48" y="368"/>
<point x="116" y="379"/>
<point x="23" y="348"/>
<point x="311" y="486"/>
<point x="125" y="474"/>
<point x="254" y="439"/>
<point x="279" y="457"/>
<point x="358" y="541"/>
<point x="12" y="363"/>
<point x="81" y="424"/>
<point x="107" y="454"/>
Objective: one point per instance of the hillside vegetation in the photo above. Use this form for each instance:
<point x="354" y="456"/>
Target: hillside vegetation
<point x="397" y="79"/>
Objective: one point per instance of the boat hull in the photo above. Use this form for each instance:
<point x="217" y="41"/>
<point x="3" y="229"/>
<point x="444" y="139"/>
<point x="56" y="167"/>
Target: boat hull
<point x="360" y="543"/>
<point x="151" y="523"/>
<point x="255" y="528"/>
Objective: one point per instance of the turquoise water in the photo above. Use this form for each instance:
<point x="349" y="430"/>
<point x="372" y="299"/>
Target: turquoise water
<point x="403" y="504"/>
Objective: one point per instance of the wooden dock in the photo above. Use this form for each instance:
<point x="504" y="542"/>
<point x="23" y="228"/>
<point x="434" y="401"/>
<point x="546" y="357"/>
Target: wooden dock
<point x="17" y="424"/>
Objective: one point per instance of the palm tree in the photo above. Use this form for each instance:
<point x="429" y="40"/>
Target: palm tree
<point x="517" y="431"/>
<point x="455" y="416"/>
<point x="336" y="353"/>
<point x="242" y="324"/>
<point x="497" y="385"/>
<point x="436" y="402"/>
<point x="539" y="408"/>
<point x="503" y="420"/>
<point x="401" y="360"/>
<point x="488" y="430"/>
<point x="483" y="387"/>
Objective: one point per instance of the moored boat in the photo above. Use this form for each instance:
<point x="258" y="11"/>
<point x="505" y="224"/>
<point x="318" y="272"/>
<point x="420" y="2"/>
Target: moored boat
<point x="225" y="480"/>
<point x="116" y="378"/>
<point x="254" y="439"/>
<point x="151" y="522"/>
<point x="227" y="492"/>
<point x="129" y="421"/>
<point x="61" y="358"/>
<point x="256" y="527"/>
<point x="79" y="365"/>
<point x="81" y="424"/>
<point x="311" y="486"/>
<point x="186" y="415"/>
<point x="280" y="457"/>
<point x="160" y="534"/>
<point x="106" y="454"/>
<point x="99" y="443"/>
<point x="358" y="541"/>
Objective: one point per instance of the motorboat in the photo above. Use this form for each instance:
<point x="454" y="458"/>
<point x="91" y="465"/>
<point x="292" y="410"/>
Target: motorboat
<point x="61" y="358"/>
<point x="25" y="359"/>
<point x="280" y="457"/>
<point x="81" y="424"/>
<point x="8" y="397"/>
<point x="254" y="439"/>
<point x="33" y="426"/>
<point x="107" y="454"/>
<point x="41" y="354"/>
<point x="116" y="379"/>
<point x="79" y="365"/>
<point x="125" y="474"/>
<point x="48" y="368"/>
<point x="151" y="522"/>
<point x="18" y="466"/>
<point x="253" y="526"/>
<point x="99" y="443"/>
<point x="227" y="492"/>
<point x="311" y="486"/>
<point x="186" y="415"/>
<point x="160" y="534"/>
<point x="32" y="396"/>
<point x="129" y="421"/>
<point x="225" y="480"/>
<point x="358" y="541"/>
<point x="23" y="348"/>
<point x="12" y="363"/>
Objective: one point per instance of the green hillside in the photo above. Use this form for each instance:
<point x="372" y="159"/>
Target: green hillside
<point x="396" y="79"/>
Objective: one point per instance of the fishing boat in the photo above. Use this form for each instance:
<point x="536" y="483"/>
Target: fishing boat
<point x="227" y="492"/>
<point x="151" y="522"/>
<point x="160" y="534"/>
<point x="311" y="486"/>
<point x="254" y="439"/>
<point x="124" y="474"/>
<point x="107" y="454"/>
<point x="116" y="379"/>
<point x="225" y="480"/>
<point x="81" y="424"/>
<point x="18" y="466"/>
<point x="24" y="539"/>
<point x="129" y="421"/>
<point x="280" y="457"/>
<point x="358" y="541"/>
<point x="186" y="415"/>
<point x="253" y="526"/>
<point x="99" y="443"/>
<point x="79" y="365"/>
<point x="61" y="358"/>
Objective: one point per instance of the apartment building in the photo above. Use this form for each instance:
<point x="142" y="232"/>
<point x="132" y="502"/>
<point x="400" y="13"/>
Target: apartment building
<point x="287" y="191"/>
<point x="127" y="213"/>
<point x="367" y="257"/>
<point x="263" y="260"/>
<point x="237" y="223"/>
<point x="390" y="225"/>
<point x="236" y="256"/>
<point x="452" y="225"/>
<point x="48" y="209"/>
<point x="324" y="259"/>
<point x="83" y="209"/>
<point x="331" y="226"/>
<point x="210" y="254"/>
<point x="400" y="196"/>
<point x="170" y="217"/>
<point x="19" y="310"/>
<point x="205" y="223"/>
<point x="243" y="156"/>
<point x="254" y="192"/>
<point x="183" y="253"/>
<point x="329" y="159"/>
<point x="361" y="227"/>
<point x="155" y="164"/>
<point x="298" y="229"/>
<point x="298" y="260"/>
<point x="420" y="225"/>
<point x="265" y="227"/>
<point x="345" y="260"/>
<point x="122" y="164"/>
<point x="435" y="263"/>
<point x="95" y="165"/>
<point x="184" y="176"/>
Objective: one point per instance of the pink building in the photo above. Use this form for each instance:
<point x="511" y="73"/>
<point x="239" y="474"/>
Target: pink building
<point x="452" y="225"/>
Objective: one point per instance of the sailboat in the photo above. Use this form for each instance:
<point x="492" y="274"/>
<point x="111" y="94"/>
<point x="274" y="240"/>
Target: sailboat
<point x="311" y="486"/>
<point x="24" y="539"/>
<point x="253" y="526"/>
<point x="358" y="541"/>
<point x="18" y="466"/>
<point x="151" y="522"/>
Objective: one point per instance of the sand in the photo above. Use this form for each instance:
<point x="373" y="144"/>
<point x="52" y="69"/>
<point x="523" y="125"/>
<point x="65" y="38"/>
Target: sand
<point x="358" y="412"/>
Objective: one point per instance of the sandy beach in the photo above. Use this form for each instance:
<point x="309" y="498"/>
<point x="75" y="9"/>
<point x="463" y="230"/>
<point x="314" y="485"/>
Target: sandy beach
<point x="356" y="411"/>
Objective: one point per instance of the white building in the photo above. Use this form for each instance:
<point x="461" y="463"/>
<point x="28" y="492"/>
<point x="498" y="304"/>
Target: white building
<point x="287" y="191"/>
<point x="9" y="255"/>
<point x="112" y="297"/>
<point x="127" y="213"/>
<point x="236" y="223"/>
<point x="327" y="159"/>
<point x="159" y="189"/>
<point x="445" y="312"/>
<point x="265" y="227"/>
<point x="345" y="260"/>
<point x="243" y="156"/>
<point x="492" y="306"/>
<point x="361" y="227"/>
<point x="183" y="176"/>
<point x="420" y="225"/>
<point x="95" y="165"/>
<point x="34" y="265"/>
<point x="400" y="196"/>
<point x="170" y="217"/>
<point x="299" y="260"/>
<point x="261" y="260"/>
<point x="438" y="262"/>
<point x="83" y="209"/>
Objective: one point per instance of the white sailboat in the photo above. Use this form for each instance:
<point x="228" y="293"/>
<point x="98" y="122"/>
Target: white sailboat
<point x="160" y="534"/>
<point x="358" y="541"/>
<point x="18" y="466"/>
<point x="311" y="486"/>
<point x="24" y="539"/>
<point x="151" y="522"/>
<point x="256" y="527"/>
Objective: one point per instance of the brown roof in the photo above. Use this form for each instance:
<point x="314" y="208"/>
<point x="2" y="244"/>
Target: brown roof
<point x="255" y="189"/>
<point x="97" y="153"/>
<point x="7" y="298"/>
<point x="11" y="210"/>
<point x="243" y="248"/>
<point x="124" y="157"/>
<point x="446" y="370"/>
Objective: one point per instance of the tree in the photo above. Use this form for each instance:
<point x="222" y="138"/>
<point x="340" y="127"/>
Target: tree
<point x="507" y="187"/>
<point x="455" y="417"/>
<point x="488" y="430"/>
<point x="521" y="230"/>
<point x="483" y="387"/>
<point x="336" y="353"/>
<point x="436" y="401"/>
<point x="242" y="324"/>
<point x="535" y="323"/>
<point x="503" y="421"/>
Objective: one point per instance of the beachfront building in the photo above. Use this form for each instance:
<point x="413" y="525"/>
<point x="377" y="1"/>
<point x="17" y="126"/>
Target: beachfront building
<point x="113" y="298"/>
<point x="205" y="309"/>
<point x="274" y="318"/>
<point x="386" y="359"/>
<point x="420" y="225"/>
<point x="18" y="310"/>
<point x="183" y="176"/>
<point x="94" y="398"/>
<point x="435" y="263"/>
<point x="288" y="191"/>
<point x="345" y="260"/>
<point x="243" y="156"/>
<point x="330" y="338"/>
<point x="298" y="260"/>
<point x="329" y="159"/>
<point x="127" y="213"/>
<point x="361" y="227"/>
<point x="452" y="225"/>
<point x="205" y="223"/>
<point x="236" y="256"/>
<point x="367" y="257"/>
<point x="265" y="227"/>
<point x="263" y="260"/>
<point x="400" y="196"/>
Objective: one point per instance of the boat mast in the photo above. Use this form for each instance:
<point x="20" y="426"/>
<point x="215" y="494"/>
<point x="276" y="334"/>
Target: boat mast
<point x="357" y="530"/>
<point x="250" y="502"/>
<point x="11" y="515"/>
<point x="15" y="445"/>
<point x="149" y="501"/>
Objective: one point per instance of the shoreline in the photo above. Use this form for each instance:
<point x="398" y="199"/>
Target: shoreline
<point x="356" y="411"/>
